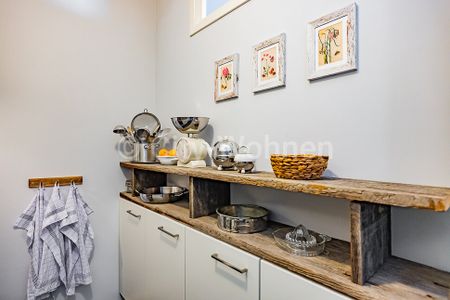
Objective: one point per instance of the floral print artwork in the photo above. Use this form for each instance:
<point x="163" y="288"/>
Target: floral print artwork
<point x="332" y="43"/>
<point x="226" y="77"/>
<point x="329" y="44"/>
<point x="268" y="63"/>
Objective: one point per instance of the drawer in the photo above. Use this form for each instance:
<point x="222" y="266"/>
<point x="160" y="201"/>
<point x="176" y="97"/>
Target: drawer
<point x="132" y="252"/>
<point x="165" y="255"/>
<point x="215" y="270"/>
<point x="278" y="283"/>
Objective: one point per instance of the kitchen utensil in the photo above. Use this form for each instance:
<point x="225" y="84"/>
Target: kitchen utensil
<point x="300" y="166"/>
<point x="121" y="130"/>
<point x="223" y="154"/>
<point x="131" y="134"/>
<point x="167" y="160"/>
<point x="242" y="218"/>
<point x="191" y="150"/>
<point x="146" y="120"/>
<point x="163" y="132"/>
<point x="143" y="135"/>
<point x="163" y="194"/>
<point x="301" y="241"/>
<point x="190" y="125"/>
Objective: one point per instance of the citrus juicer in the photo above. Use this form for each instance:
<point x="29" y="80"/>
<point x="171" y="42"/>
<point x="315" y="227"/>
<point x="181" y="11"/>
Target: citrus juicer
<point x="191" y="150"/>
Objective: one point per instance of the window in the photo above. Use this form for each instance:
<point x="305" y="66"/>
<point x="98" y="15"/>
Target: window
<point x="206" y="12"/>
<point x="213" y="5"/>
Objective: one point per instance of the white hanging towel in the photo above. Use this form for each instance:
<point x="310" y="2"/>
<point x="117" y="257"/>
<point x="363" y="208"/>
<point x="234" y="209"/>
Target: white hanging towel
<point x="43" y="275"/>
<point x="50" y="235"/>
<point x="78" y="241"/>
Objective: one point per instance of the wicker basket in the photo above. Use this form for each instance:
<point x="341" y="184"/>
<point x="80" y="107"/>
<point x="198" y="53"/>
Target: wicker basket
<point x="301" y="166"/>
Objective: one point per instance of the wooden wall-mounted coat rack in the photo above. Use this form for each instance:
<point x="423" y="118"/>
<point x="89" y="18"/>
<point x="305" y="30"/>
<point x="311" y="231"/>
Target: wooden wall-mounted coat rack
<point x="50" y="181"/>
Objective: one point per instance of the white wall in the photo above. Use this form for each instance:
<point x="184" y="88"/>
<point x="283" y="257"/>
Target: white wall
<point x="69" y="71"/>
<point x="389" y="121"/>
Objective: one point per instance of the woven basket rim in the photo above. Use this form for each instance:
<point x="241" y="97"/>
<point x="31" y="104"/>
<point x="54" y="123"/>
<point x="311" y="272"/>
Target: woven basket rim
<point x="298" y="155"/>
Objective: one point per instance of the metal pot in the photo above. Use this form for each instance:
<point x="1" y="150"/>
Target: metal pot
<point x="223" y="154"/>
<point x="240" y="218"/>
<point x="145" y="153"/>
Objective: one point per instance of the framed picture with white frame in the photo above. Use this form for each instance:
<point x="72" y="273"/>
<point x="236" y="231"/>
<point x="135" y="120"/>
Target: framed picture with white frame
<point x="332" y="43"/>
<point x="269" y="59"/>
<point x="227" y="78"/>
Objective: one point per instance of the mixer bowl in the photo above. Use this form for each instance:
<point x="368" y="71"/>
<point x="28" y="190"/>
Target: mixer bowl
<point x="190" y="125"/>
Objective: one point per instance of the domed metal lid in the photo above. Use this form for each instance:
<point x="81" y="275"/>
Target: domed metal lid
<point x="225" y="147"/>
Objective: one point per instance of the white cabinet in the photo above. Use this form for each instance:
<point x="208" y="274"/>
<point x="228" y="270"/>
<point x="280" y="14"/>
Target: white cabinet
<point x="152" y="250"/>
<point x="280" y="284"/>
<point x="165" y="275"/>
<point x="161" y="259"/>
<point x="215" y="270"/>
<point x="132" y="251"/>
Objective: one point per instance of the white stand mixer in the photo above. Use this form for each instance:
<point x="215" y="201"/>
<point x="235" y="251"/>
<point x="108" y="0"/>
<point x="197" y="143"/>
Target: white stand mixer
<point x="191" y="150"/>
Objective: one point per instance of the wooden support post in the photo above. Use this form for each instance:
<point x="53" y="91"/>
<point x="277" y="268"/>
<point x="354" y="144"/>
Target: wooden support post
<point x="205" y="196"/>
<point x="141" y="179"/>
<point x="370" y="239"/>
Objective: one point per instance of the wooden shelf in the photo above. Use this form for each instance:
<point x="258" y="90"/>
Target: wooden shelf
<point x="350" y="268"/>
<point x="392" y="194"/>
<point x="396" y="279"/>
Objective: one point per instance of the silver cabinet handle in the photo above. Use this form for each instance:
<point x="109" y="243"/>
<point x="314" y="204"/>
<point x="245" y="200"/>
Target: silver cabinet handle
<point x="134" y="215"/>
<point x="216" y="257"/>
<point x="175" y="236"/>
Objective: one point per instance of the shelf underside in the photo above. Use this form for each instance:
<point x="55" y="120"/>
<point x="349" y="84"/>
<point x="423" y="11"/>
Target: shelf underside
<point x="393" y="194"/>
<point x="397" y="278"/>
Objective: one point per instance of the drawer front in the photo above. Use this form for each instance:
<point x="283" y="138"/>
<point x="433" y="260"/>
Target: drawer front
<point x="165" y="240"/>
<point x="278" y="283"/>
<point x="215" y="270"/>
<point x="132" y="267"/>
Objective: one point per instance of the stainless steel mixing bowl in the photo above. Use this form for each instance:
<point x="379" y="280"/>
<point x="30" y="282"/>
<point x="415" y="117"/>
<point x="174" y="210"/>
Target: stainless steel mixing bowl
<point x="190" y="125"/>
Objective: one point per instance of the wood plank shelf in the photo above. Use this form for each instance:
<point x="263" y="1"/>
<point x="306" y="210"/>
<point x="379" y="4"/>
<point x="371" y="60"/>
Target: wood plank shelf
<point x="384" y="193"/>
<point x="396" y="279"/>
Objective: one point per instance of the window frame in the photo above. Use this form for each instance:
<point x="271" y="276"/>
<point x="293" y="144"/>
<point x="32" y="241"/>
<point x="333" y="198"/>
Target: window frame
<point x="198" y="18"/>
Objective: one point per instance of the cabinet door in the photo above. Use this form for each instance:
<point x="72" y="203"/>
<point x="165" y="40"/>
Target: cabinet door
<point x="278" y="283"/>
<point x="165" y="240"/>
<point x="215" y="270"/>
<point x="132" y="251"/>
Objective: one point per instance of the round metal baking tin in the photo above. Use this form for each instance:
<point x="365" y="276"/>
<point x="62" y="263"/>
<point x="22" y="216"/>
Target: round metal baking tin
<point x="242" y="218"/>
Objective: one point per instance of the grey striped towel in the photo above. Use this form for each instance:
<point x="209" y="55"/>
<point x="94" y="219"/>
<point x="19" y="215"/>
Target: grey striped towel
<point x="78" y="241"/>
<point x="43" y="275"/>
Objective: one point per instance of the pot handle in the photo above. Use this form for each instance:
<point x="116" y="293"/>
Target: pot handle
<point x="182" y="193"/>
